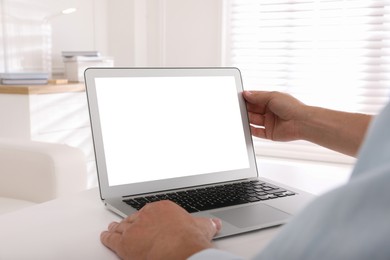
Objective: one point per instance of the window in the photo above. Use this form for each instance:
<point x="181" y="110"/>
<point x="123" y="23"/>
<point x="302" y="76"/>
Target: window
<point x="329" y="53"/>
<point x="25" y="44"/>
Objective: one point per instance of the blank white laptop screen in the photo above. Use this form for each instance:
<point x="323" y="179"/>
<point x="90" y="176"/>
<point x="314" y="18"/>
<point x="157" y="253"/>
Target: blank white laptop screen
<point x="157" y="128"/>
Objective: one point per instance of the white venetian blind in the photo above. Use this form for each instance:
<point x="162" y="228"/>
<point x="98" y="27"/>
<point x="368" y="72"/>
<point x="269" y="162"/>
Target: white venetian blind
<point x="329" y="53"/>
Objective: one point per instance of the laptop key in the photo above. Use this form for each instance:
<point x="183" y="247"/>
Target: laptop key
<point x="131" y="202"/>
<point x="263" y="197"/>
<point x="134" y="204"/>
<point x="152" y="198"/>
<point x="272" y="196"/>
<point x="275" y="191"/>
<point x="253" y="199"/>
<point x="289" y="193"/>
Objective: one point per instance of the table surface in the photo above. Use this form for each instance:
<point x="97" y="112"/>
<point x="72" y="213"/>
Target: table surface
<point x="42" y="89"/>
<point x="69" y="228"/>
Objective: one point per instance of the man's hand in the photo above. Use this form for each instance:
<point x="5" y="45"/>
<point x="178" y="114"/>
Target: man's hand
<point x="280" y="117"/>
<point x="160" y="230"/>
<point x="274" y="115"/>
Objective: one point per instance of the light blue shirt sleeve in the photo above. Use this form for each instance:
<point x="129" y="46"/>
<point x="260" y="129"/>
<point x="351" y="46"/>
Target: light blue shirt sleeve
<point x="214" y="254"/>
<point x="350" y="222"/>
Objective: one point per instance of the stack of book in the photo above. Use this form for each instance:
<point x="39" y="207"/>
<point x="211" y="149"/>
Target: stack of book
<point x="24" y="78"/>
<point x="76" y="62"/>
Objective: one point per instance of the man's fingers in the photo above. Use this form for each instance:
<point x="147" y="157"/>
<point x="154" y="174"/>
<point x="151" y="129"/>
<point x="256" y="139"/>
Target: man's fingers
<point x="256" y="119"/>
<point x="111" y="240"/>
<point x="258" y="132"/>
<point x="131" y="218"/>
<point x="256" y="96"/>
<point x="217" y="223"/>
<point x="210" y="227"/>
<point x="118" y="227"/>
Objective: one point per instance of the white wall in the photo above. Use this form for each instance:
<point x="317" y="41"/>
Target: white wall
<point x="193" y="32"/>
<point x="120" y="24"/>
<point x="165" y="32"/>
<point x="86" y="29"/>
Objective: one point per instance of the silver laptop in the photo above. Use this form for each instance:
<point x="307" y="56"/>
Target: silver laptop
<point x="181" y="134"/>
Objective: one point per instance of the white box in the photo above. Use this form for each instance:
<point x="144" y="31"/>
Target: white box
<point x="74" y="69"/>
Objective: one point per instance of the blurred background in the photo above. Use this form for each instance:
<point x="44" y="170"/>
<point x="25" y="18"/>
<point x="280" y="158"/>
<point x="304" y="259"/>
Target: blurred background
<point x="331" y="53"/>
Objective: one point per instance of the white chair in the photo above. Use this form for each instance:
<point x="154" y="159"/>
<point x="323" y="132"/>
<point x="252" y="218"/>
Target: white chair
<point x="35" y="172"/>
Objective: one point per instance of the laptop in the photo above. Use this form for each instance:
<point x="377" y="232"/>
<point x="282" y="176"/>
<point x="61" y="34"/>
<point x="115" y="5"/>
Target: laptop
<point x="182" y="134"/>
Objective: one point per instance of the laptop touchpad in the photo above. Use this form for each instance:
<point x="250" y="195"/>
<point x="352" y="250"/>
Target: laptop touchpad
<point x="251" y="216"/>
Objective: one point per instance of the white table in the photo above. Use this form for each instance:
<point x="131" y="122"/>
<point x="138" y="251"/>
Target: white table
<point x="69" y="228"/>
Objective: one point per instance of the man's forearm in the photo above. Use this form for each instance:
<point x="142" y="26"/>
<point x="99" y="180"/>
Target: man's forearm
<point x="339" y="131"/>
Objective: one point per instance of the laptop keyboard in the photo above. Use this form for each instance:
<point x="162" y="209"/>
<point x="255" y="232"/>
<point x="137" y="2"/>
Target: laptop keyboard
<point x="206" y="198"/>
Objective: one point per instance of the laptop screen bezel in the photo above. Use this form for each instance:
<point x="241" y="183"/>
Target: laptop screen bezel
<point x="107" y="191"/>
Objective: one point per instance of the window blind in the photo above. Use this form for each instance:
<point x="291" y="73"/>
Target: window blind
<point x="329" y="53"/>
